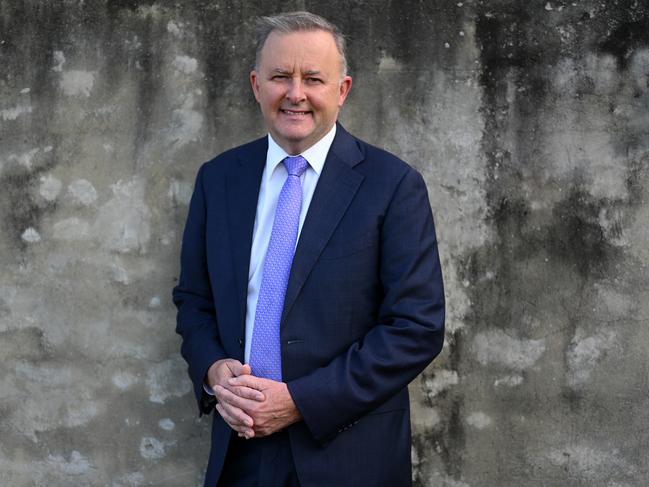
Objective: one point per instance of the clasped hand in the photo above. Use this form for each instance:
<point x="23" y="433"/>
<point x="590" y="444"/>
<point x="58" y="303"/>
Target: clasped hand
<point x="252" y="406"/>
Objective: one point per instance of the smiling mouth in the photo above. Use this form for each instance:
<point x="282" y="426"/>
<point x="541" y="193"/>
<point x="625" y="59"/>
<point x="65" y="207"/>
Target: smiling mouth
<point x="294" y="112"/>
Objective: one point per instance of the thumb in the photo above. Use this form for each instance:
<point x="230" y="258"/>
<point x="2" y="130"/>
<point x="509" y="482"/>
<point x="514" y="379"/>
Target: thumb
<point x="233" y="366"/>
<point x="238" y="369"/>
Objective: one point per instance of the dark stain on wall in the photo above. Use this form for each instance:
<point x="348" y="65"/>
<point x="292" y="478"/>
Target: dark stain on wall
<point x="4" y="308"/>
<point x="115" y="6"/>
<point x="624" y="24"/>
<point x="420" y="30"/>
<point x="150" y="61"/>
<point x="20" y="210"/>
<point x="511" y="49"/>
<point x="133" y="42"/>
<point x="227" y="60"/>
<point x="24" y="344"/>
<point x="576" y="237"/>
<point x="30" y="38"/>
<point x="30" y="35"/>
<point x="419" y="444"/>
<point x="518" y="43"/>
<point x="449" y="441"/>
<point x="637" y="177"/>
<point x="624" y="40"/>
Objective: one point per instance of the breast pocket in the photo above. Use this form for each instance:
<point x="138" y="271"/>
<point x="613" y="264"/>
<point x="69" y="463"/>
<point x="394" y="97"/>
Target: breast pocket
<point x="344" y="247"/>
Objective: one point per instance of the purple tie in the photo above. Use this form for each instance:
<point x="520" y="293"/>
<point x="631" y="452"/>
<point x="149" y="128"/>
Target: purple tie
<point x="265" y="349"/>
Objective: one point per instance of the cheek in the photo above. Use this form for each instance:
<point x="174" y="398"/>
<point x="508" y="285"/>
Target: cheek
<point x="268" y="103"/>
<point x="267" y="96"/>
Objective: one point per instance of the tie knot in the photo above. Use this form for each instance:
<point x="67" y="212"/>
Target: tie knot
<point x="296" y="165"/>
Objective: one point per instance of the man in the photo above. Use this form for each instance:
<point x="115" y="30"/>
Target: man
<point x="310" y="292"/>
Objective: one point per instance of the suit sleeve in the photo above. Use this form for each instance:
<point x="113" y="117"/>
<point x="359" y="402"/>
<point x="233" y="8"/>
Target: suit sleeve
<point x="410" y="328"/>
<point x="196" y="318"/>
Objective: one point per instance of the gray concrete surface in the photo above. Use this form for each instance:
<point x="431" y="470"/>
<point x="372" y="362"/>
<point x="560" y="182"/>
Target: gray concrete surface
<point x="530" y="123"/>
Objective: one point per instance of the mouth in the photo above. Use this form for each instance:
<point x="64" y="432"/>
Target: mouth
<point x="295" y="113"/>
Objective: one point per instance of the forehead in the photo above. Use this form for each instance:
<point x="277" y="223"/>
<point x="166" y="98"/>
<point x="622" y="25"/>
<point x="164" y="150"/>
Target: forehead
<point x="314" y="49"/>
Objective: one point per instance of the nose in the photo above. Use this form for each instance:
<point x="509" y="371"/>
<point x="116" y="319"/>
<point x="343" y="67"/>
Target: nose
<point x="295" y="93"/>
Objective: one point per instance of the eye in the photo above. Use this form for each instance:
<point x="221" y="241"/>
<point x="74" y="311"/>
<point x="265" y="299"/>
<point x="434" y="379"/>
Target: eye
<point x="279" y="76"/>
<point x="314" y="80"/>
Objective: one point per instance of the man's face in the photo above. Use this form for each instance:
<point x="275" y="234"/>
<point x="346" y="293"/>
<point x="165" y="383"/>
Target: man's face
<point x="299" y="87"/>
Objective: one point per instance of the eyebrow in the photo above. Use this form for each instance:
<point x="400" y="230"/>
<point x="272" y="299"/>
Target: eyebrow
<point x="310" y="72"/>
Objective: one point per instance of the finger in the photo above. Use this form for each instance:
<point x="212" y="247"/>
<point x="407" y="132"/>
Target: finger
<point x="228" y="397"/>
<point x="225" y="414"/>
<point x="247" y="393"/>
<point x="241" y="430"/>
<point x="235" y="417"/>
<point x="248" y="381"/>
<point x="234" y="412"/>
<point x="260" y="433"/>
<point x="227" y="418"/>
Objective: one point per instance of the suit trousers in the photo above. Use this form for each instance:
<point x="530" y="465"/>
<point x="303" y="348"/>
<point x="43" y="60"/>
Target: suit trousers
<point x="259" y="462"/>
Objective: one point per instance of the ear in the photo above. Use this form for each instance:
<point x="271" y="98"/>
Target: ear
<point x="345" y="86"/>
<point x="254" y="82"/>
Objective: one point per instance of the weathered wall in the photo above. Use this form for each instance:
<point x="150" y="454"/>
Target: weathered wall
<point x="530" y="123"/>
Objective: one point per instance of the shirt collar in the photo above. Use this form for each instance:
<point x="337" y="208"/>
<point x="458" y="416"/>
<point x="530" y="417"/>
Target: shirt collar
<point x="315" y="155"/>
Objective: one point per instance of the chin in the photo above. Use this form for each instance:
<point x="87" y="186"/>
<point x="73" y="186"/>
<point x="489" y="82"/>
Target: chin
<point x="296" y="136"/>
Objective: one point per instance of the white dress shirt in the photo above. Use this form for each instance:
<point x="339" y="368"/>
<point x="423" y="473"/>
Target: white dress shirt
<point x="272" y="181"/>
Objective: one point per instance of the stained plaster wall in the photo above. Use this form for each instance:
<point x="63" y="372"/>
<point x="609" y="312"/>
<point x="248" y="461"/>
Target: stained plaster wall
<point x="530" y="123"/>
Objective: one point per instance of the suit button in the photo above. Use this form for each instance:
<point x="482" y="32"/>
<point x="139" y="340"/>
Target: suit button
<point x="240" y="342"/>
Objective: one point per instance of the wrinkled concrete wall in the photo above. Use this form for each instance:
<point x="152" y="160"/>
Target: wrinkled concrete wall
<point x="530" y="123"/>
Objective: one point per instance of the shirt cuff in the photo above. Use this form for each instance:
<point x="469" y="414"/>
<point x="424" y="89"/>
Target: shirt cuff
<point x="208" y="390"/>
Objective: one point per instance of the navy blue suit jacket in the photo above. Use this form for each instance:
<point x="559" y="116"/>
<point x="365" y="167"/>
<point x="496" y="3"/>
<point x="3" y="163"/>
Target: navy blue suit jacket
<point x="363" y="314"/>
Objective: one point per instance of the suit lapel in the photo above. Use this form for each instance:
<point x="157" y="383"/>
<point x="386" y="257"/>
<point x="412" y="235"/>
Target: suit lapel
<point x="336" y="188"/>
<point x="243" y="183"/>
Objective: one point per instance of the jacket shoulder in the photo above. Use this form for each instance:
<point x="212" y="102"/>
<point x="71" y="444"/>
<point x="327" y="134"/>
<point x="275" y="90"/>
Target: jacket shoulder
<point x="224" y="160"/>
<point x="379" y="161"/>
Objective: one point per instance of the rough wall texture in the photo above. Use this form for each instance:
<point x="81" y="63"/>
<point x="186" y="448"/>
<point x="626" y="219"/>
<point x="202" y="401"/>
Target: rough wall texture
<point x="530" y="123"/>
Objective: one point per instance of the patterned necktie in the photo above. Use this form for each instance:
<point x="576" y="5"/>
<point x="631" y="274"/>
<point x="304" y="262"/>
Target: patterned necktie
<point x="265" y="349"/>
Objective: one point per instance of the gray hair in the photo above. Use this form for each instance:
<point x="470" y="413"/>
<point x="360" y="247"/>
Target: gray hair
<point x="288" y="22"/>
